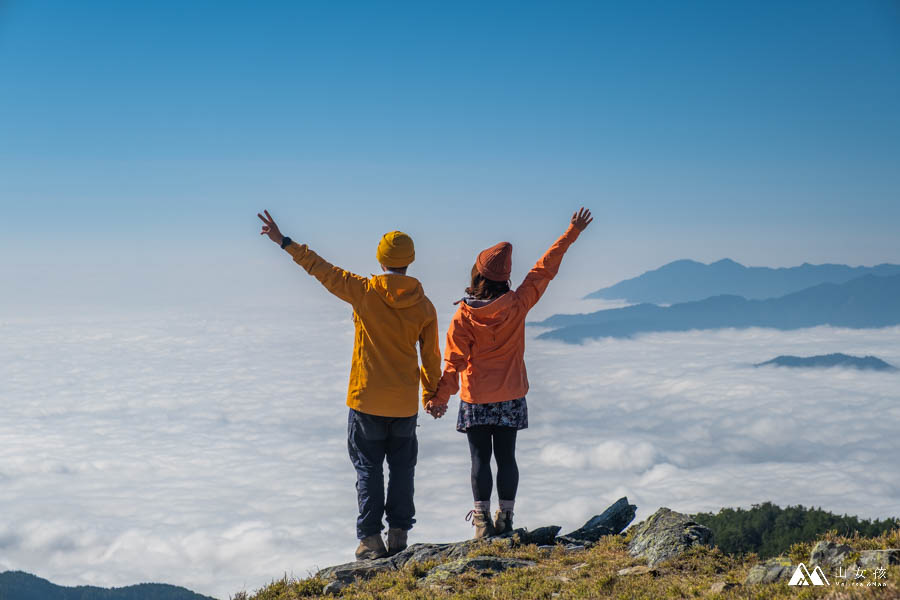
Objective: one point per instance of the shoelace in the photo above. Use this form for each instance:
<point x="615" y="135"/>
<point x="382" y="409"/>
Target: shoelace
<point x="471" y="514"/>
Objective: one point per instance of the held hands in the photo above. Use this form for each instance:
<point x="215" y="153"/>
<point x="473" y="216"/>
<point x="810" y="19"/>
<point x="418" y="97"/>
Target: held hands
<point x="270" y="228"/>
<point x="581" y="219"/>
<point x="435" y="410"/>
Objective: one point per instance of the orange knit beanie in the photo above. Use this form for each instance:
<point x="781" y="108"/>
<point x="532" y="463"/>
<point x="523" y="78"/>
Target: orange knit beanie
<point x="495" y="263"/>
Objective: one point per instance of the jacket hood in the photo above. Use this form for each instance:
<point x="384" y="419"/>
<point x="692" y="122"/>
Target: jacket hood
<point x="490" y="313"/>
<point x="398" y="291"/>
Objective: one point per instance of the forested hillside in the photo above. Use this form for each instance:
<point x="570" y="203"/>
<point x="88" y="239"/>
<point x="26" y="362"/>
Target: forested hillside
<point x="769" y="530"/>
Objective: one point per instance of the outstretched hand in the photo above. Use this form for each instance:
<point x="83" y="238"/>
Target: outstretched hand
<point x="435" y="410"/>
<point x="270" y="228"/>
<point x="582" y="218"/>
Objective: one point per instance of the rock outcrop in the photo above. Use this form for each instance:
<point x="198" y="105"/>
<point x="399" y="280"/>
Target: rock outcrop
<point x="422" y="553"/>
<point x="454" y="556"/>
<point x="666" y="534"/>
<point x="612" y="521"/>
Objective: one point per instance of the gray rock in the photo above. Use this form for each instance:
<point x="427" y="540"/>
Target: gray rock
<point x="542" y="535"/>
<point x="612" y="521"/>
<point x="667" y="534"/>
<point x="775" y="569"/>
<point x="335" y="587"/>
<point x="829" y="554"/>
<point x="361" y="569"/>
<point x="487" y="566"/>
<point x="833" y="555"/>
<point x="421" y="553"/>
<point x="417" y="553"/>
<point x="869" y="559"/>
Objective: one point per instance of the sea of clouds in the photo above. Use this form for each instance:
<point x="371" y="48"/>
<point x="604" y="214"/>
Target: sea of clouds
<point x="208" y="449"/>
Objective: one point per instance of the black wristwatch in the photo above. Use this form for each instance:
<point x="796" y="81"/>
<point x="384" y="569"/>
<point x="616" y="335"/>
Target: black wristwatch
<point x="285" y="242"/>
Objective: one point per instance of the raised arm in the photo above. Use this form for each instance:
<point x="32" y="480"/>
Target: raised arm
<point x="546" y="268"/>
<point x="343" y="284"/>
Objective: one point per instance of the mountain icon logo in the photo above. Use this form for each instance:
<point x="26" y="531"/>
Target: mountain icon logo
<point x="802" y="576"/>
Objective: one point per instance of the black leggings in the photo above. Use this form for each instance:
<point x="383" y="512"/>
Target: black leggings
<point x="504" y="449"/>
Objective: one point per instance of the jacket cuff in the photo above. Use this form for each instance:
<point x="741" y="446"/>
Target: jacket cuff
<point x="296" y="250"/>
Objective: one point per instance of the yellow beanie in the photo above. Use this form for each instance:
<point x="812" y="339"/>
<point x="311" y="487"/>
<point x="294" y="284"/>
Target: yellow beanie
<point x="396" y="250"/>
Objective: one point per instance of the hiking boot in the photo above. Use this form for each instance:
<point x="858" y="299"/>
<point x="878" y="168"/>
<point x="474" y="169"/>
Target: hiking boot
<point x="371" y="547"/>
<point x="503" y="521"/>
<point x="396" y="541"/>
<point x="481" y="520"/>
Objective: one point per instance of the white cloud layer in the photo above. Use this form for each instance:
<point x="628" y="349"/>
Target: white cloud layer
<point x="209" y="450"/>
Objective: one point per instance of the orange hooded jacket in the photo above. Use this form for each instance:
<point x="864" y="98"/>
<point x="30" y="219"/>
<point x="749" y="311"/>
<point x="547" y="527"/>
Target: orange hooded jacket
<point x="391" y="315"/>
<point x="486" y="345"/>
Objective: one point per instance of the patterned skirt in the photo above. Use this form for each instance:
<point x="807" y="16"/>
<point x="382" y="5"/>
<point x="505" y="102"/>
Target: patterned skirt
<point x="510" y="413"/>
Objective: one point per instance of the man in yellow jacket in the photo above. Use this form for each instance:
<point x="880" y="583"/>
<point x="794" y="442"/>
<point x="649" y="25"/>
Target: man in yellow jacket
<point x="391" y="315"/>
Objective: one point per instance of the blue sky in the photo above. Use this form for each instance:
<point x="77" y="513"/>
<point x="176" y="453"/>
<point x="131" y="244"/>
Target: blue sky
<point x="142" y="138"/>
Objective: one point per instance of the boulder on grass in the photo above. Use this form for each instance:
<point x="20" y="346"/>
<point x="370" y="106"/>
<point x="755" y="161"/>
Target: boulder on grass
<point x="771" y="571"/>
<point x="829" y="554"/>
<point x="665" y="535"/>
<point x="870" y="559"/>
<point x="833" y="555"/>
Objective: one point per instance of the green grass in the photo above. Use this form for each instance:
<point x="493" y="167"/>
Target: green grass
<point x="592" y="573"/>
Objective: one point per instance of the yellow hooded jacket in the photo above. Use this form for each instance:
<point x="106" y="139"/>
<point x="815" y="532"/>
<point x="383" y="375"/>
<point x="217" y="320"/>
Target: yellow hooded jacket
<point x="391" y="315"/>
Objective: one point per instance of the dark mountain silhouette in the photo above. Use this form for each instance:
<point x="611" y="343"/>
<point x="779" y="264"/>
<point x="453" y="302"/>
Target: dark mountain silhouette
<point x="829" y="360"/>
<point x="687" y="280"/>
<point x="18" y="585"/>
<point x="867" y="301"/>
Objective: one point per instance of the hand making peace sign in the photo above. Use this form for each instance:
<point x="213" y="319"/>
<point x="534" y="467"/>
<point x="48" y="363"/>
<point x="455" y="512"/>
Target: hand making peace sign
<point x="270" y="228"/>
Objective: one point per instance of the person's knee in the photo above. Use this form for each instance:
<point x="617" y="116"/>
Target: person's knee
<point x="481" y="462"/>
<point x="507" y="459"/>
<point x="403" y="453"/>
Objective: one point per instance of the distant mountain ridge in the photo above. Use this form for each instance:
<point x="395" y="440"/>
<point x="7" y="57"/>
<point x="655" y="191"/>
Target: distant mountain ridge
<point x="686" y="280"/>
<point x="865" y="302"/>
<point x="18" y="585"/>
<point x="830" y="360"/>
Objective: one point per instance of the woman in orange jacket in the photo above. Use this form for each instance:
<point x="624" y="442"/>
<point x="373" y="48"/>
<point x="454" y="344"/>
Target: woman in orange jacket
<point x="486" y="349"/>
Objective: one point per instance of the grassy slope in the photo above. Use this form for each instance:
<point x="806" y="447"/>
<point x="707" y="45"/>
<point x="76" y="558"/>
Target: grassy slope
<point x="592" y="574"/>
